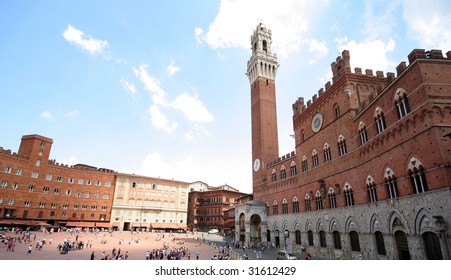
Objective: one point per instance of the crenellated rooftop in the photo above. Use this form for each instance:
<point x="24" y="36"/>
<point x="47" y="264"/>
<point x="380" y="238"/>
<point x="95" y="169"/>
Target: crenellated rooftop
<point x="282" y="159"/>
<point x="53" y="162"/>
<point x="341" y="67"/>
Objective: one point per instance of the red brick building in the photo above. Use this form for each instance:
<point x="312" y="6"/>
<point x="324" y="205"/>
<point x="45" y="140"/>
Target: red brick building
<point x="370" y="171"/>
<point x="35" y="190"/>
<point x="206" y="206"/>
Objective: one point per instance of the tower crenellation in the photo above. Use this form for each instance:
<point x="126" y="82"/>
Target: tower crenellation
<point x="263" y="63"/>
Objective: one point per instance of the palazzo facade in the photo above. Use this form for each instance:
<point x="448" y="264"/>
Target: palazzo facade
<point x="370" y="173"/>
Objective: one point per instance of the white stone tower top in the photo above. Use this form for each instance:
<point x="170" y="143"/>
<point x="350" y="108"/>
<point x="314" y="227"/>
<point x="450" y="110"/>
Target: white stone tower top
<point x="263" y="63"/>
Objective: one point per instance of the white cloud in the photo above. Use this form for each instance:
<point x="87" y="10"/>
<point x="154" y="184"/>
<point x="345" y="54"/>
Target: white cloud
<point x="129" y="87"/>
<point x="196" y="133"/>
<point x="430" y="23"/>
<point x="160" y="121"/>
<point x="318" y="48"/>
<point x="71" y="161"/>
<point x="152" y="84"/>
<point x="380" y="19"/>
<point x="85" y="42"/>
<point x="72" y="113"/>
<point x="199" y="35"/>
<point x="369" y="54"/>
<point x="237" y="19"/>
<point x="154" y="166"/>
<point x="192" y="108"/>
<point x="172" y="68"/>
<point x="46" y="115"/>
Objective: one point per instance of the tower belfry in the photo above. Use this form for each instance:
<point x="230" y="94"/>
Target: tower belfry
<point x="261" y="71"/>
<point x="263" y="63"/>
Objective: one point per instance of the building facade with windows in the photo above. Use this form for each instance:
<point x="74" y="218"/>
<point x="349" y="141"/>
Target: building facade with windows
<point x="145" y="203"/>
<point x="207" y="206"/>
<point x="370" y="173"/>
<point x="37" y="191"/>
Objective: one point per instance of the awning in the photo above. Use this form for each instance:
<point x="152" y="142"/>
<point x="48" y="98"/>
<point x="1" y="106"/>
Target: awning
<point x="41" y="223"/>
<point x="103" y="224"/>
<point x="16" y="222"/>
<point x="168" y="226"/>
<point x="116" y="224"/>
<point x="80" y="224"/>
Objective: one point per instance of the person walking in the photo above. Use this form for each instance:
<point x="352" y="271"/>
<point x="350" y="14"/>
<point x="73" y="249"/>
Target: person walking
<point x="93" y="256"/>
<point x="30" y="248"/>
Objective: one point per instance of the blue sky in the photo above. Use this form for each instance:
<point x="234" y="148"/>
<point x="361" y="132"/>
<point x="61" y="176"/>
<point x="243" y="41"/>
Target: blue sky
<point x="158" y="88"/>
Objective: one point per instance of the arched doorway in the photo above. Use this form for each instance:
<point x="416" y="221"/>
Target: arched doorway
<point x="432" y="246"/>
<point x="242" y="232"/>
<point x="277" y="238"/>
<point x="255" y="230"/>
<point x="402" y="245"/>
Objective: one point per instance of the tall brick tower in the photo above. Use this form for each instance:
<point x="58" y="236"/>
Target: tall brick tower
<point x="261" y="71"/>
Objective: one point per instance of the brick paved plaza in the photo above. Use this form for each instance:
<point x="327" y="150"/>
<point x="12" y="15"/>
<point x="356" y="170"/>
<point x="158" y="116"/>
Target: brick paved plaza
<point x="105" y="242"/>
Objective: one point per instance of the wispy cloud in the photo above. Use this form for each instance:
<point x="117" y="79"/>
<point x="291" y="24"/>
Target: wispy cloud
<point x="190" y="106"/>
<point x="71" y="161"/>
<point x="155" y="166"/>
<point x="152" y="84"/>
<point x="377" y="48"/>
<point x="47" y="115"/>
<point x="83" y="41"/>
<point x="160" y="121"/>
<point x="72" y="113"/>
<point x="129" y="87"/>
<point x="172" y="68"/>
<point x="237" y="19"/>
<point x="430" y="25"/>
<point x="197" y="132"/>
<point x="193" y="109"/>
<point x="199" y="35"/>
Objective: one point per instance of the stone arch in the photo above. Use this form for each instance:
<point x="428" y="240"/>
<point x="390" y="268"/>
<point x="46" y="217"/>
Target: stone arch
<point x="414" y="163"/>
<point x="376" y="224"/>
<point x="397" y="222"/>
<point x="424" y="222"/>
<point x="378" y="112"/>
<point x="255" y="230"/>
<point x="320" y="225"/>
<point x="352" y="225"/>
<point x="275" y="226"/>
<point x="308" y="225"/>
<point x="399" y="94"/>
<point x="361" y="126"/>
<point x="334" y="225"/>
<point x="285" y="225"/>
<point x="296" y="225"/>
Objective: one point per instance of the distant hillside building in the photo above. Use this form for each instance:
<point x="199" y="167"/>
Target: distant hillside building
<point x="370" y="174"/>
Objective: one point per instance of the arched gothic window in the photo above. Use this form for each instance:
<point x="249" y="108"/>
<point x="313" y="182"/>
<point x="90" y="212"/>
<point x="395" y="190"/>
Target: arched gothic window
<point x="402" y="103"/>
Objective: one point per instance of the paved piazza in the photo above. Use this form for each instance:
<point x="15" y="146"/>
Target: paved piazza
<point x="137" y="244"/>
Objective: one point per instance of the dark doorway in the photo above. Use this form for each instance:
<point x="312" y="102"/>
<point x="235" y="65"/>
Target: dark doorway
<point x="432" y="246"/>
<point x="402" y="245"/>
